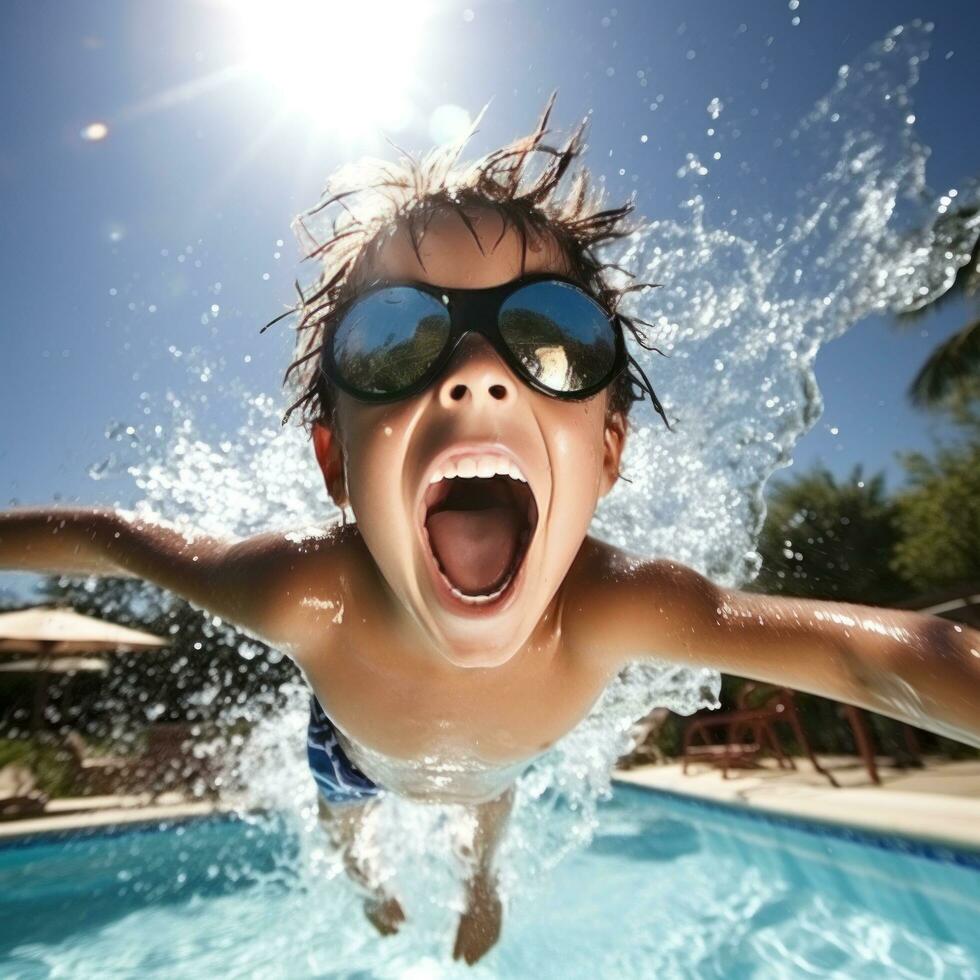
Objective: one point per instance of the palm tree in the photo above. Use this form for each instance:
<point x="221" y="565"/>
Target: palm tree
<point x="830" y="539"/>
<point x="955" y="364"/>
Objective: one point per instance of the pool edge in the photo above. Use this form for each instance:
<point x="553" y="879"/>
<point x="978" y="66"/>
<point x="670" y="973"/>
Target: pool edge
<point x="879" y="833"/>
<point x="112" y="823"/>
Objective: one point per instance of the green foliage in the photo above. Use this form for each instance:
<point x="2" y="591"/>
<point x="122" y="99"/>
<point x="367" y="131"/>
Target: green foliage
<point x="962" y="405"/>
<point x="939" y="518"/>
<point x="954" y="363"/>
<point x="52" y="768"/>
<point x="828" y="540"/>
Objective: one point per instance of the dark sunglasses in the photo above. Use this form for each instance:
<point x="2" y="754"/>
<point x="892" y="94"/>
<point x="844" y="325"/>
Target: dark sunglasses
<point x="394" y="339"/>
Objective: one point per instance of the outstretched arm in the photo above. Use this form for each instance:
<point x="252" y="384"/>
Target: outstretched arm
<point x="240" y="581"/>
<point x="919" y="669"/>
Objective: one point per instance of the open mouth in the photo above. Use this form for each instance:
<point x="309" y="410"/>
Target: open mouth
<point x="478" y="530"/>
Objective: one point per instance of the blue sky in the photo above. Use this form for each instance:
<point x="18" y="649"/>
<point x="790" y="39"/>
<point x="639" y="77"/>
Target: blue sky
<point x="112" y="249"/>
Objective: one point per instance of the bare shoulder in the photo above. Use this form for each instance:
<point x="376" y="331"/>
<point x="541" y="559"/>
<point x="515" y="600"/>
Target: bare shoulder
<point x="610" y="593"/>
<point x="311" y="546"/>
<point x="284" y="582"/>
<point x="606" y="568"/>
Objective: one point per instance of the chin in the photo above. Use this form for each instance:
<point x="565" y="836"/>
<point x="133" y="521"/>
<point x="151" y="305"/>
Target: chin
<point x="466" y="653"/>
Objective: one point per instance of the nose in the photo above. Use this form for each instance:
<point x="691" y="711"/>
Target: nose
<point x="476" y="376"/>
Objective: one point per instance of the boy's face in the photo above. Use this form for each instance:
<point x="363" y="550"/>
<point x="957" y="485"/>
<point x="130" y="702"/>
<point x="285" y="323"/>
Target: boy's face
<point x="427" y="538"/>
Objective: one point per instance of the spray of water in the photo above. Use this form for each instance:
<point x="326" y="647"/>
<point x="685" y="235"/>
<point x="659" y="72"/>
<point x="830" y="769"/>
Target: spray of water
<point x="747" y="303"/>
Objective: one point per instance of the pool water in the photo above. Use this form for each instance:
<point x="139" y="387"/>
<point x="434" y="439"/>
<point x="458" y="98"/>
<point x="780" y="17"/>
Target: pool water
<point x="671" y="887"/>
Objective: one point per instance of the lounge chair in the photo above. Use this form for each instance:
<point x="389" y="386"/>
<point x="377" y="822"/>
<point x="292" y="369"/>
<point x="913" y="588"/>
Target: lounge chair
<point x="167" y="764"/>
<point x="101" y="775"/>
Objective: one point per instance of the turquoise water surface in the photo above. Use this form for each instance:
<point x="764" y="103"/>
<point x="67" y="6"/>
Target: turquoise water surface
<point x="670" y="887"/>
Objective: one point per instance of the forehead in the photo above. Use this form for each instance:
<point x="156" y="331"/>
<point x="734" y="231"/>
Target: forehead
<point x="450" y="255"/>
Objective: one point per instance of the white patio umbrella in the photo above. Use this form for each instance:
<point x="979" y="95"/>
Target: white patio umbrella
<point x="53" y="631"/>
<point x="49" y="634"/>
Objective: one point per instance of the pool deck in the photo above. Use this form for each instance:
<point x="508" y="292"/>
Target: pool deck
<point x="940" y="802"/>
<point x="94" y="812"/>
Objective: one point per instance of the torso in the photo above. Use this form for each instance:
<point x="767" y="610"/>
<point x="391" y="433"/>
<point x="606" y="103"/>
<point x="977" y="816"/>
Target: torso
<point x="430" y="730"/>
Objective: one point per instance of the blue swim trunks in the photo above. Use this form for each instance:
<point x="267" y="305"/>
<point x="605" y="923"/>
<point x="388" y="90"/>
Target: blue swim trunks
<point x="337" y="778"/>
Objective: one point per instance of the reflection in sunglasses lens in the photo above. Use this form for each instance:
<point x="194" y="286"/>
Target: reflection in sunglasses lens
<point x="561" y="336"/>
<point x="389" y="339"/>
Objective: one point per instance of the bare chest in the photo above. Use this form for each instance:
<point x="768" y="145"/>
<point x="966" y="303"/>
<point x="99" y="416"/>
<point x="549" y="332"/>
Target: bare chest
<point x="394" y="704"/>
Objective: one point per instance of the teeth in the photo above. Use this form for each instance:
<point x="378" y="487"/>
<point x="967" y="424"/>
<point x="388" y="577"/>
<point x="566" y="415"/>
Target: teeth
<point x="481" y="465"/>
<point x="480" y="600"/>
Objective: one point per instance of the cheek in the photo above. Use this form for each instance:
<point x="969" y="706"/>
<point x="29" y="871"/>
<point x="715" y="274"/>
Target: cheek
<point x="577" y="449"/>
<point x="373" y="449"/>
<point x="366" y="446"/>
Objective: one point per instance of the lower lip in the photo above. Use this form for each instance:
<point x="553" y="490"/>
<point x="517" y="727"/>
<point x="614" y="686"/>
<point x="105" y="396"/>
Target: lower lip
<point x="473" y="610"/>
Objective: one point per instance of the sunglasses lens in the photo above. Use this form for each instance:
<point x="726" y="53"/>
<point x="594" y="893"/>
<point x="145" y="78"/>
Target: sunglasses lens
<point x="388" y="340"/>
<point x="561" y="336"/>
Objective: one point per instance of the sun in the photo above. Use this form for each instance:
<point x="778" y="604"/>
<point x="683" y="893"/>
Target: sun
<point x="348" y="66"/>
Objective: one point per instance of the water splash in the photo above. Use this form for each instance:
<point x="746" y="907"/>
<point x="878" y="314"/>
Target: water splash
<point x="745" y="308"/>
<point x="747" y="303"/>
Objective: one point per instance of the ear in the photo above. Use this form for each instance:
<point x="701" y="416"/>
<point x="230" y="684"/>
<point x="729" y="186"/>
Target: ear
<point x="613" y="443"/>
<point x="330" y="457"/>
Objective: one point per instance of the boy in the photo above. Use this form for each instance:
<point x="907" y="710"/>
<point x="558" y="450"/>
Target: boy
<point x="467" y="387"/>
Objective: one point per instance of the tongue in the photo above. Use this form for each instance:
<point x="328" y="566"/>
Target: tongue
<point x="475" y="547"/>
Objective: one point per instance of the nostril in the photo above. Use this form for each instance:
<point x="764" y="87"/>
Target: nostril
<point x="457" y="392"/>
<point x="498" y="391"/>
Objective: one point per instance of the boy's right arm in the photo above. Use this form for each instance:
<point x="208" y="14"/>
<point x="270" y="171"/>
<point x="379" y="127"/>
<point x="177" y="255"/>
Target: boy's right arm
<point x="244" y="582"/>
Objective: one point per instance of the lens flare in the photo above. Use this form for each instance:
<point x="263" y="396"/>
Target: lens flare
<point x="94" y="132"/>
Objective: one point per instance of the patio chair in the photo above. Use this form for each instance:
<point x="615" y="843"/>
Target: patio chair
<point x="906" y="755"/>
<point x="749" y="733"/>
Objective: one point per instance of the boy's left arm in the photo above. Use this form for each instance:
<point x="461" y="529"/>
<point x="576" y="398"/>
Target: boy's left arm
<point x="919" y="669"/>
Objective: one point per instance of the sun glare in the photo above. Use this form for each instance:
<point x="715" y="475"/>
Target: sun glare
<point x="347" y="65"/>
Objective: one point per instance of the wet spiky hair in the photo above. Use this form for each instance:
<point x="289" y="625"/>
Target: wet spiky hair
<point x="374" y="197"/>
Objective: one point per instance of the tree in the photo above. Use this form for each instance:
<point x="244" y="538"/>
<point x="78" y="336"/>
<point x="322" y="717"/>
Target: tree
<point x="828" y="540"/>
<point x="939" y="518"/>
<point x="956" y="360"/>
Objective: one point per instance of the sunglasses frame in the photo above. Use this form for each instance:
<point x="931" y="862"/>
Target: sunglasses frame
<point x="474" y="311"/>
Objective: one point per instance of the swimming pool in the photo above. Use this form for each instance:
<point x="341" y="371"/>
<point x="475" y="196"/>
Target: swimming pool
<point x="671" y="887"/>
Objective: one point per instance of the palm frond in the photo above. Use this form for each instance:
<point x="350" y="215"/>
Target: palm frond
<point x="952" y="362"/>
<point x="953" y="231"/>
